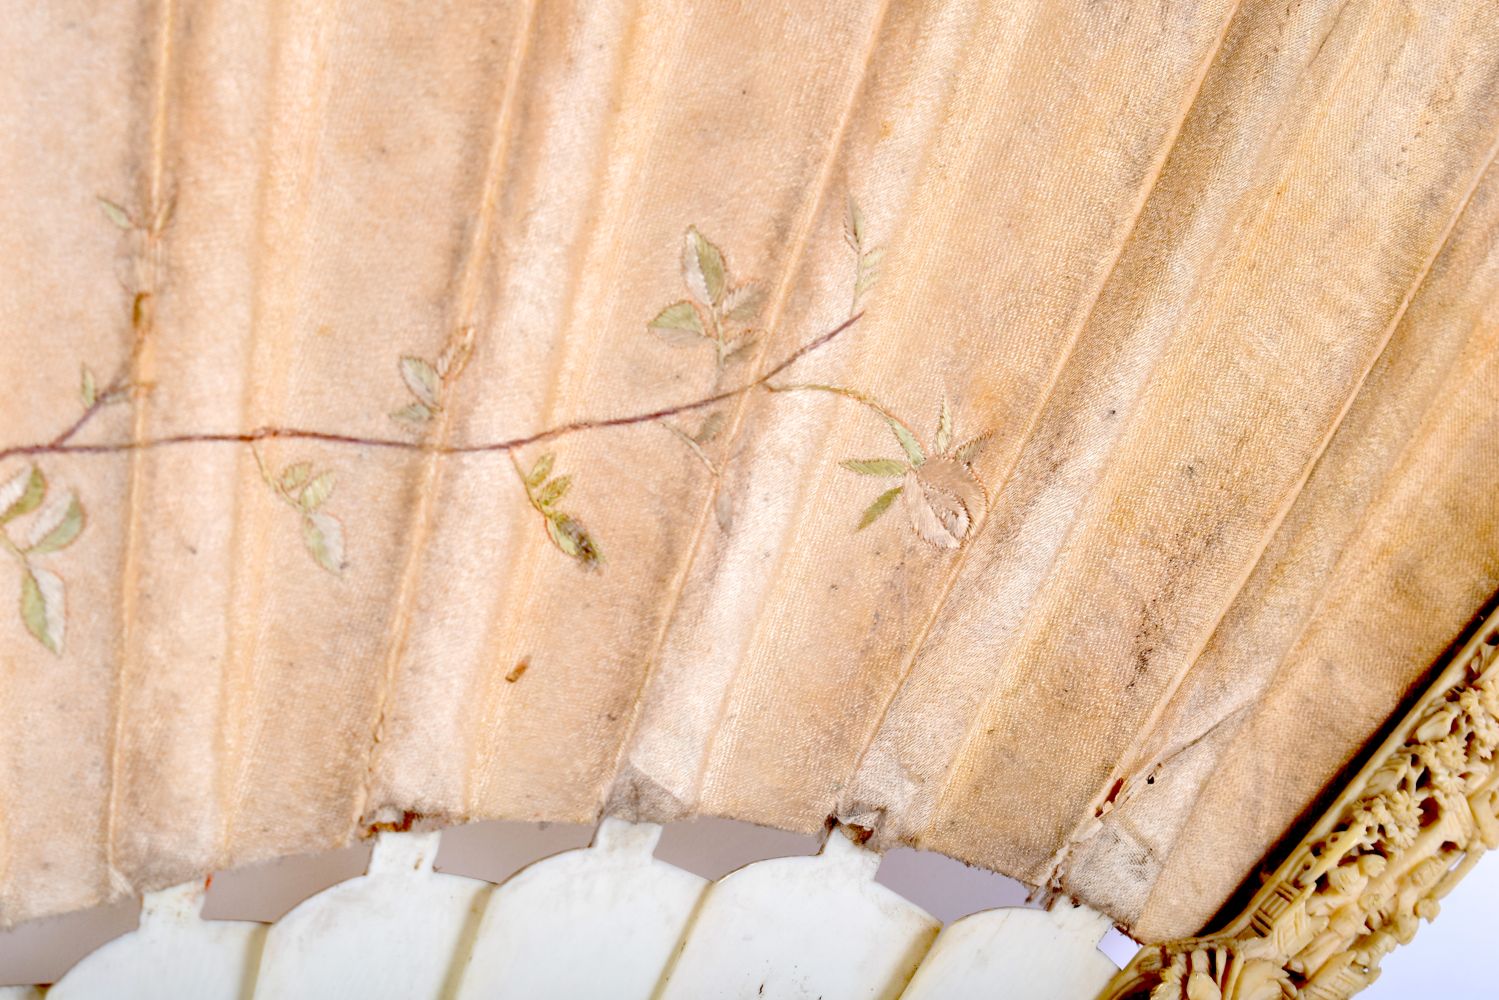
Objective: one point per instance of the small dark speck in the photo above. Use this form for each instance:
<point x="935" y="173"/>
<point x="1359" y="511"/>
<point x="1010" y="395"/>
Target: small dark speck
<point x="1113" y="412"/>
<point x="1150" y="780"/>
<point x="192" y="549"/>
<point x="1191" y="471"/>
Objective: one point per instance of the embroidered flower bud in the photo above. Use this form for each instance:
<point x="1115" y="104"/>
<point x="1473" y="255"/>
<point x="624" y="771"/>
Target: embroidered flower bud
<point x="942" y="497"/>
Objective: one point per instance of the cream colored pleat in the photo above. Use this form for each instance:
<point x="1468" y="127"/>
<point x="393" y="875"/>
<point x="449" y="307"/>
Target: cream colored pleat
<point x="427" y="418"/>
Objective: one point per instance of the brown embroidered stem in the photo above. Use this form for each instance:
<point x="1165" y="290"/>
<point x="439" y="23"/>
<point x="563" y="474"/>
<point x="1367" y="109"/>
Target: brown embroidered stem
<point x="696" y="449"/>
<point x="521" y="475"/>
<point x="853" y="394"/>
<point x="83" y="418"/>
<point x="61" y="445"/>
<point x="111" y="393"/>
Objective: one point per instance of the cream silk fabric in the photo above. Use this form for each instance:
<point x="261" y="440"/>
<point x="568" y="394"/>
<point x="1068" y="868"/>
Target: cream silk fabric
<point x="1216" y="281"/>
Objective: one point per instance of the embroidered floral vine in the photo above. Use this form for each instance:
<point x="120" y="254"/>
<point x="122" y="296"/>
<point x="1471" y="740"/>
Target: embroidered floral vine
<point x="866" y="257"/>
<point x="545" y="492"/>
<point x="55" y="525"/>
<point x="429" y="382"/>
<point x="47" y="527"/>
<point x="305" y="490"/>
<point x="942" y="495"/>
<point x="718" y="312"/>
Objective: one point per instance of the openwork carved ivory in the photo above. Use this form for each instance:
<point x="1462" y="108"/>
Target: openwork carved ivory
<point x="1412" y="823"/>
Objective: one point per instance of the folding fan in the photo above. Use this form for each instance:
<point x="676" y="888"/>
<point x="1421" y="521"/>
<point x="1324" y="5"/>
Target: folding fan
<point x="1057" y="435"/>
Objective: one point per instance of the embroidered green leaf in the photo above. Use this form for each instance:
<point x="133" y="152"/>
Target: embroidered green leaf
<point x="22" y="493"/>
<point x="293" y="476"/>
<point x="569" y="535"/>
<point x="743" y="304"/>
<point x="56" y="527"/>
<point x="42" y="606"/>
<point x="943" y="496"/>
<point x="944" y="429"/>
<point x="565" y="531"/>
<point x="712" y="424"/>
<point x="558" y="530"/>
<point x="853" y="225"/>
<point x="323" y="535"/>
<point x="723" y="510"/>
<point x="703" y="268"/>
<point x="455" y="356"/>
<point x="697" y="449"/>
<point x="887" y="467"/>
<point x="540" y="471"/>
<point x="678" y="323"/>
<point x="866" y="273"/>
<point x="422" y="379"/>
<point x="968" y="452"/>
<point x="553" y="492"/>
<point x="738" y="348"/>
<point x="678" y="338"/>
<point x="907" y="441"/>
<point x="116" y="214"/>
<point x="317" y="492"/>
<point x="881" y="504"/>
<point x="87" y="390"/>
<point x="415" y="414"/>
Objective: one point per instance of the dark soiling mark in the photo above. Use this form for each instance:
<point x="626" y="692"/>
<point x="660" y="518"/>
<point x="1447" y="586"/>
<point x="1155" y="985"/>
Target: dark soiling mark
<point x="1188" y="548"/>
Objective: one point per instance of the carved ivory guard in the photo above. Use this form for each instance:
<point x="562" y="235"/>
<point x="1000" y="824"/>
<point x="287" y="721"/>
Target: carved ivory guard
<point x="1409" y="825"/>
